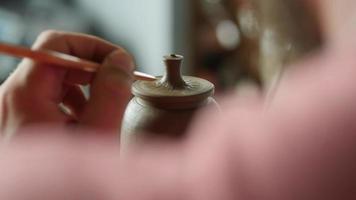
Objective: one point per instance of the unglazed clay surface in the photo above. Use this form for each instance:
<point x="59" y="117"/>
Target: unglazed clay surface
<point x="164" y="108"/>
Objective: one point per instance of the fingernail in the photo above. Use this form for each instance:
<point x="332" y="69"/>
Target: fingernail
<point x="121" y="60"/>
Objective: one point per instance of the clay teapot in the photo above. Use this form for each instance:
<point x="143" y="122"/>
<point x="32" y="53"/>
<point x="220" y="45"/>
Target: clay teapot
<point x="165" y="107"/>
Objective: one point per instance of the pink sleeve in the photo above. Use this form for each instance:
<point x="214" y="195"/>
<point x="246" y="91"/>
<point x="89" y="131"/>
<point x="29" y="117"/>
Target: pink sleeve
<point x="299" y="145"/>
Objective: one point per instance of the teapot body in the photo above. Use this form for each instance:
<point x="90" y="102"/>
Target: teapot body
<point x="144" y="121"/>
<point x="165" y="107"/>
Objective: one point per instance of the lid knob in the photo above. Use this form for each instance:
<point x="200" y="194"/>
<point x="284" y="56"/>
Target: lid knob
<point x="173" y="77"/>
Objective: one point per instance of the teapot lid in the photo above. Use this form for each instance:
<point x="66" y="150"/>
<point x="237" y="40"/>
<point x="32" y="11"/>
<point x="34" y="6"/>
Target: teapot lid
<point x="174" y="91"/>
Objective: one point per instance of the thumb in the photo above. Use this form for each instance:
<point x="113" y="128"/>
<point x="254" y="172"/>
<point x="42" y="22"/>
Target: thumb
<point x="109" y="93"/>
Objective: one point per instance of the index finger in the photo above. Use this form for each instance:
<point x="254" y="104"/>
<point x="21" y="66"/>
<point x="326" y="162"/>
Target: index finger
<point x="76" y="44"/>
<point x="79" y="45"/>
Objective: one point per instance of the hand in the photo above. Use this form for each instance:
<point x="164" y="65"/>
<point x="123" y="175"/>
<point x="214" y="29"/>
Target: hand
<point x="36" y="93"/>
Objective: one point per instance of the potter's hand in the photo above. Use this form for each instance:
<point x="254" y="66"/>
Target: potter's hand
<point x="34" y="92"/>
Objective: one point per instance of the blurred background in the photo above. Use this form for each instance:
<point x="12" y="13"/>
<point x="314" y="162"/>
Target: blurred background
<point x="232" y="43"/>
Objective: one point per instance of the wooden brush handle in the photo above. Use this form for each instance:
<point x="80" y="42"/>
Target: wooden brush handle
<point x="60" y="59"/>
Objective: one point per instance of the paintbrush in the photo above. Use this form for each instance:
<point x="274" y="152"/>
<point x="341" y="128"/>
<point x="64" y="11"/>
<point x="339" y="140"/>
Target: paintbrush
<point x="60" y="59"/>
